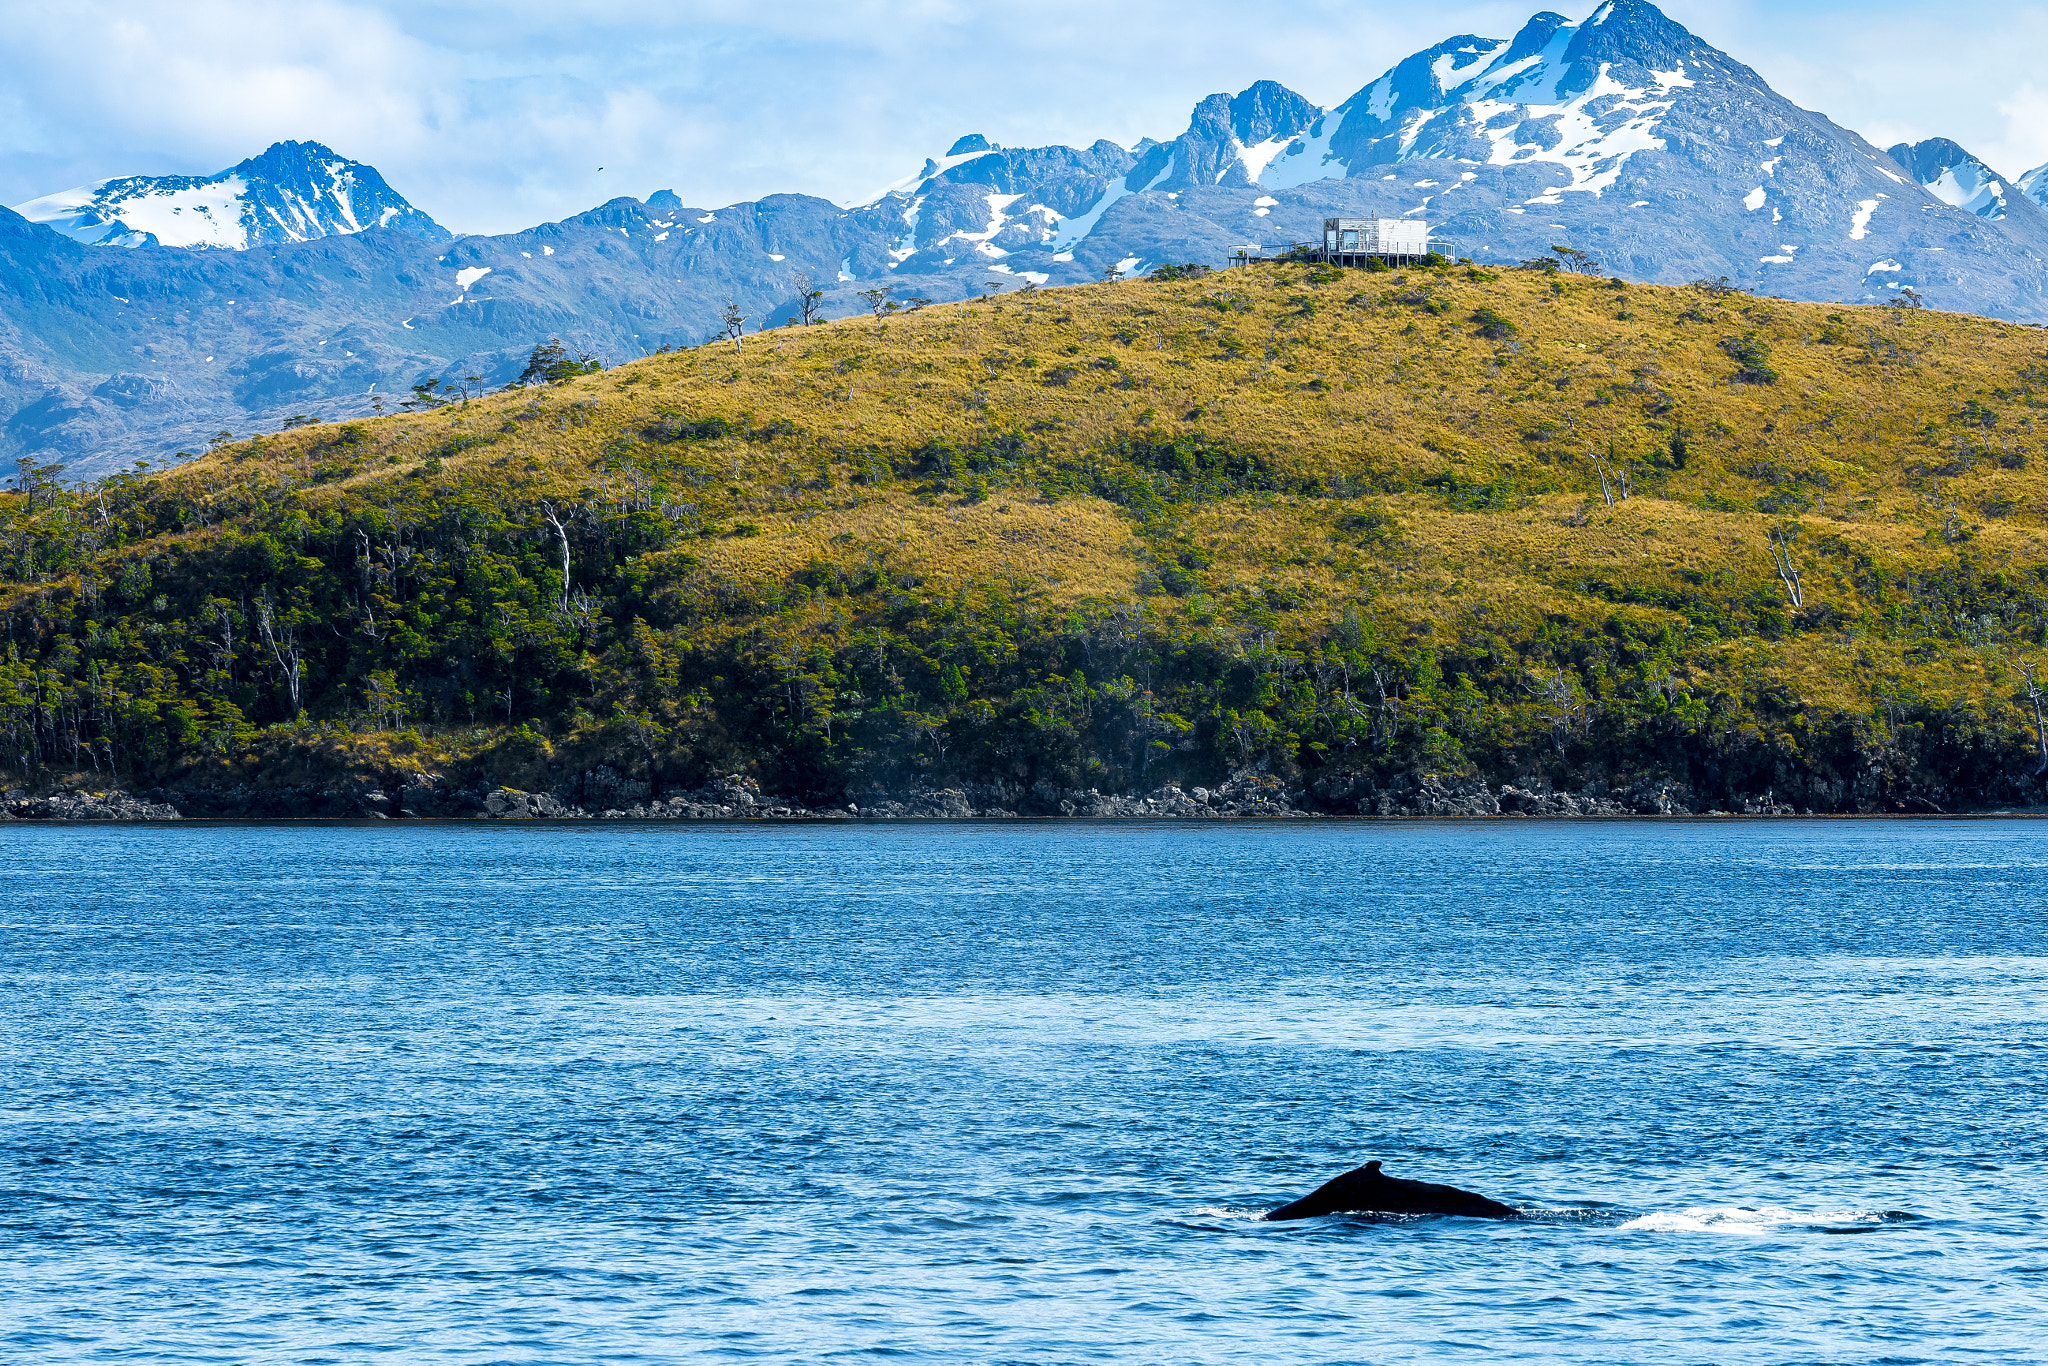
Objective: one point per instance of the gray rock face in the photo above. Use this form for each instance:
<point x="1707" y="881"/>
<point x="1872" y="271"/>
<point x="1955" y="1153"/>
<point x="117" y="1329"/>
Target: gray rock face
<point x="87" y="806"/>
<point x="510" y="804"/>
<point x="1623" y="135"/>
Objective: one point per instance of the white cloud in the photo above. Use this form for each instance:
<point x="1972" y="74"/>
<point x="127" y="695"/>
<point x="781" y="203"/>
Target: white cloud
<point x="1898" y="72"/>
<point x="2025" y="144"/>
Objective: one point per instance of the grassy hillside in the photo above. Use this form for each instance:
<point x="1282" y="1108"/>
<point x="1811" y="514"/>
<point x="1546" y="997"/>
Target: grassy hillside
<point x="1326" y="524"/>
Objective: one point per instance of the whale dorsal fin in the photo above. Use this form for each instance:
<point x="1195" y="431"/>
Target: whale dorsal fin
<point x="1372" y="1169"/>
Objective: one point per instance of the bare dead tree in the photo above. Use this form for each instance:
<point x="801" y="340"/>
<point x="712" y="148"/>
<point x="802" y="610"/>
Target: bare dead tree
<point x="581" y="612"/>
<point x="809" y="298"/>
<point x="1118" y="627"/>
<point x="1788" y="572"/>
<point x="2036" y="695"/>
<point x="219" y="612"/>
<point x="930" y="728"/>
<point x="547" y="510"/>
<point x="735" y="324"/>
<point x="283" y="640"/>
<point x="1565" y="706"/>
<point x="1614" y="480"/>
<point x="1386" y="724"/>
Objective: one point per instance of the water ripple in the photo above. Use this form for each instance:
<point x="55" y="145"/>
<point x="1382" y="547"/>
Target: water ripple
<point x="1760" y="1092"/>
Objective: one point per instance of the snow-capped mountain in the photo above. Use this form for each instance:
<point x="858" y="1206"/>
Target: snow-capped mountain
<point x="1570" y="101"/>
<point x="2034" y="185"/>
<point x="1624" y="135"/>
<point x="1953" y="176"/>
<point x="1558" y="109"/>
<point x="294" y="192"/>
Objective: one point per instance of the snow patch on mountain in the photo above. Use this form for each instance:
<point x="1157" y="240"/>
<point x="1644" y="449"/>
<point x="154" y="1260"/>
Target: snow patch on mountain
<point x="1304" y="160"/>
<point x="998" y="216"/>
<point x="967" y="149"/>
<point x="293" y="192"/>
<point x="1255" y="159"/>
<point x="2034" y="185"/>
<point x="907" y="247"/>
<point x="1960" y="186"/>
<point x="1596" y="130"/>
<point x="1075" y="229"/>
<point x="175" y="211"/>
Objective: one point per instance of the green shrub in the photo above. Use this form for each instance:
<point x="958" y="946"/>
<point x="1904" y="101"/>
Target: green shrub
<point x="1752" y="358"/>
<point x="1493" y="323"/>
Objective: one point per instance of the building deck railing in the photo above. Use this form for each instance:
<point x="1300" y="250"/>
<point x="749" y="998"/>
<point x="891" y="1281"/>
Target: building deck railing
<point x="1252" y="255"/>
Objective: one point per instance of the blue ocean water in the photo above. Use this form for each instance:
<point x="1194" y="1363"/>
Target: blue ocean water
<point x="1770" y="1092"/>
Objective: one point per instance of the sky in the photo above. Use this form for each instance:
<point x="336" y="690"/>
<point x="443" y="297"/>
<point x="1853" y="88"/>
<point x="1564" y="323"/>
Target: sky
<point x="494" y="117"/>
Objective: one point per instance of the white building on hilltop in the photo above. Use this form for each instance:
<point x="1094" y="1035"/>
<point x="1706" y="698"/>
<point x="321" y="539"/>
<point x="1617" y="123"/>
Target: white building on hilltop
<point x="1395" y="241"/>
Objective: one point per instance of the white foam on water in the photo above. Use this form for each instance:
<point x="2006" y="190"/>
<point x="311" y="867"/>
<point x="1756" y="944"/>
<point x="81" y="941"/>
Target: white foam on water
<point x="1241" y="1213"/>
<point x="1741" y="1219"/>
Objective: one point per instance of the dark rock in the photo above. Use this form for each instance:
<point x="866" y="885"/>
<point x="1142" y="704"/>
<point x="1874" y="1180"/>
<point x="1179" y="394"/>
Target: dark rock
<point x="429" y="794"/>
<point x="510" y="804"/>
<point x="90" y="806"/>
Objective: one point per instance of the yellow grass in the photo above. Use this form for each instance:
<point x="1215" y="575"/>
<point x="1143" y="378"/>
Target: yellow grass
<point x="1341" y="377"/>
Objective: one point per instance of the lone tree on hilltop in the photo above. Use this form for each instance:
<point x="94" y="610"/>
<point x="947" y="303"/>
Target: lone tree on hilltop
<point x="426" y="394"/>
<point x="551" y="363"/>
<point x="809" y="298"/>
<point x="878" y="301"/>
<point x="1576" y="261"/>
<point x="735" y="323"/>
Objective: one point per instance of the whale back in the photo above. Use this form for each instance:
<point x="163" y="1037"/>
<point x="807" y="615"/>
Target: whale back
<point x="1368" y="1190"/>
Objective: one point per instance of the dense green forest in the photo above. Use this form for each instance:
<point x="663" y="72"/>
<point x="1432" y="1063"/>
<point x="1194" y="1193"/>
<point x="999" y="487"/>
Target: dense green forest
<point x="1339" y="528"/>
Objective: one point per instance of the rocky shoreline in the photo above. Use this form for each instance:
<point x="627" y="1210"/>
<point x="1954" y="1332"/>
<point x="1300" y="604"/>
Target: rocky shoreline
<point x="602" y="794"/>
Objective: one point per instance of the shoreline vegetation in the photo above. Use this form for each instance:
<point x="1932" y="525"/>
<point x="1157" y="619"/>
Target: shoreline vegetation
<point x="1444" y="541"/>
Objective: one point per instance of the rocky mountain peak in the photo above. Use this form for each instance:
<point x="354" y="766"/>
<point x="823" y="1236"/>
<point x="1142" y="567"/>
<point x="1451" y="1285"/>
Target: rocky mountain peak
<point x="2034" y="185"/>
<point x="1953" y="176"/>
<point x="291" y="192"/>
